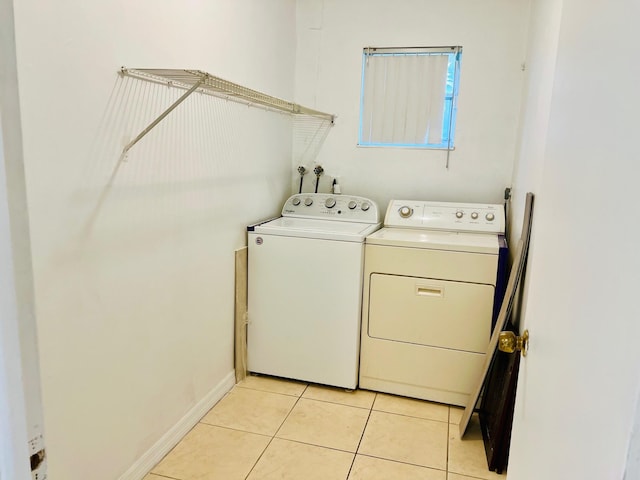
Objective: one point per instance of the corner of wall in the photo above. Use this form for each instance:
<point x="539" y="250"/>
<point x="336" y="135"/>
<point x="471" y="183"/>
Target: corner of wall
<point x="171" y="438"/>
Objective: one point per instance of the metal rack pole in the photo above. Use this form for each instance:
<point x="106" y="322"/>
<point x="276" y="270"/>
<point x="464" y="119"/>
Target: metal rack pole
<point x="163" y="115"/>
<point x="192" y="80"/>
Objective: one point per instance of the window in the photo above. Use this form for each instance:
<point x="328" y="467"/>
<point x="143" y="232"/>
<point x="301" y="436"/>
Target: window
<point x="409" y="97"/>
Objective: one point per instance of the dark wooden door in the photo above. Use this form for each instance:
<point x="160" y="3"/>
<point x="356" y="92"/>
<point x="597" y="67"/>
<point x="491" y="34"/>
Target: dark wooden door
<point x="496" y="408"/>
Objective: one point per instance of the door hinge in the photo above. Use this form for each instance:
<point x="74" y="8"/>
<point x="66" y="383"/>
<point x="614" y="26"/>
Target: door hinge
<point x="38" y="465"/>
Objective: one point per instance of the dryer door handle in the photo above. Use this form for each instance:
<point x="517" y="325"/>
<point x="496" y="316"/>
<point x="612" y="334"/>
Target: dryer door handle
<point x="429" y="291"/>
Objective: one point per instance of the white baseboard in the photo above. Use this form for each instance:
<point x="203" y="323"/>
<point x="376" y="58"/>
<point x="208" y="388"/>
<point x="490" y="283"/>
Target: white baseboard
<point x="151" y="457"/>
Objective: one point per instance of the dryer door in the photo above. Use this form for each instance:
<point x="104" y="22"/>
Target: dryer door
<point x="425" y="311"/>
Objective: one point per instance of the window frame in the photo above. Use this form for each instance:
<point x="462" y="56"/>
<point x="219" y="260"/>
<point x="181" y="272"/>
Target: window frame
<point x="452" y="88"/>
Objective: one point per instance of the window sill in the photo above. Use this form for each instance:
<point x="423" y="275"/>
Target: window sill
<point x="405" y="147"/>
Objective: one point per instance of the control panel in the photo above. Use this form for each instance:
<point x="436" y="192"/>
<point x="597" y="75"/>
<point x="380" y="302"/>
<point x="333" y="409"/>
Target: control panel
<point x="459" y="217"/>
<point x="331" y="207"/>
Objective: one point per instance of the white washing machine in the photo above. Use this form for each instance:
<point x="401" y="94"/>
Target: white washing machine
<point x="434" y="278"/>
<point x="305" y="289"/>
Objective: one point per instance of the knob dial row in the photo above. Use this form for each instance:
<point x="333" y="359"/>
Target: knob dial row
<point x="474" y="215"/>
<point x="331" y="202"/>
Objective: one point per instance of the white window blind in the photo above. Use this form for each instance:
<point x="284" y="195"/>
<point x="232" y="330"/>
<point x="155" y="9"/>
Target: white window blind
<point x="408" y="96"/>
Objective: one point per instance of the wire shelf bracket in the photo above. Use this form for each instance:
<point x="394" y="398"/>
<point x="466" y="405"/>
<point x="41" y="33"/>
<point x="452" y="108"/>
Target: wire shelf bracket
<point x="197" y="80"/>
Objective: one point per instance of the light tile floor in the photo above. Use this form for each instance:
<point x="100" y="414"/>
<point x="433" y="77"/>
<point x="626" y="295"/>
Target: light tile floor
<point x="267" y="429"/>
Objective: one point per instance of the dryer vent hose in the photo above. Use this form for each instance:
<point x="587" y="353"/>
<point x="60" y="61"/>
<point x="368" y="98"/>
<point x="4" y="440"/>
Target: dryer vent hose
<point x="507" y="198"/>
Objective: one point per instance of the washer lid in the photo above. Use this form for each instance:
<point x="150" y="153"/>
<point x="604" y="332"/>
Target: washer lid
<point x="436" y="240"/>
<point x="321" y="229"/>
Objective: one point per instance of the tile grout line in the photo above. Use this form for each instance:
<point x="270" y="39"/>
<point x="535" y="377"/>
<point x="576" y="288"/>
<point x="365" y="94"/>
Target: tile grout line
<point x="355" y="454"/>
<point x="162" y="476"/>
<point x="337" y="403"/>
<point x="269" y="391"/>
<point x="150" y="472"/>
<point x="276" y="432"/>
<point x="236" y="430"/>
<point x="333" y="449"/>
<point x="354" y="406"/>
<point x="448" y="434"/>
<point x="407" y="463"/>
<point x="412" y="416"/>
<point x="199" y="422"/>
<point x="377" y="410"/>
<point x="446" y="469"/>
<point x="292" y="408"/>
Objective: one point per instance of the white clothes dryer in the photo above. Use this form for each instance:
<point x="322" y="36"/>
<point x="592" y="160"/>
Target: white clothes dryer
<point x="434" y="278"/>
<point x="305" y="289"/>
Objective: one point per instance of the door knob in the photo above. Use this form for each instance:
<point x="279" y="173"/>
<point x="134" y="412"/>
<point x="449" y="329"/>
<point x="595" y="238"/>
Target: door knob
<point x="509" y="342"/>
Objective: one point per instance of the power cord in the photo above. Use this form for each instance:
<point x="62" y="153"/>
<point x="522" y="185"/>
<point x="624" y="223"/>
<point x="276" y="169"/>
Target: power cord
<point x="507" y="198"/>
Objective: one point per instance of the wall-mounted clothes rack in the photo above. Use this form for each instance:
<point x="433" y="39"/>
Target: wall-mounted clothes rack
<point x="197" y="80"/>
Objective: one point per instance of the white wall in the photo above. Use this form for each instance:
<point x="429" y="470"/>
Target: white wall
<point x="578" y="387"/>
<point x="14" y="432"/>
<point x="20" y="399"/>
<point x="331" y="36"/>
<point x="542" y="46"/>
<point x="134" y="274"/>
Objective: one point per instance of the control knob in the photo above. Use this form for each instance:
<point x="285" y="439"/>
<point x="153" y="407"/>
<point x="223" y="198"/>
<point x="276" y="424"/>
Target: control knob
<point x="490" y="217"/>
<point x="474" y="215"/>
<point x="405" y="211"/>
<point x="459" y="214"/>
<point x="352" y="204"/>
<point x="330" y="202"/>
<point x="365" y="206"/>
<point x="308" y="201"/>
<point x="296" y="201"/>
